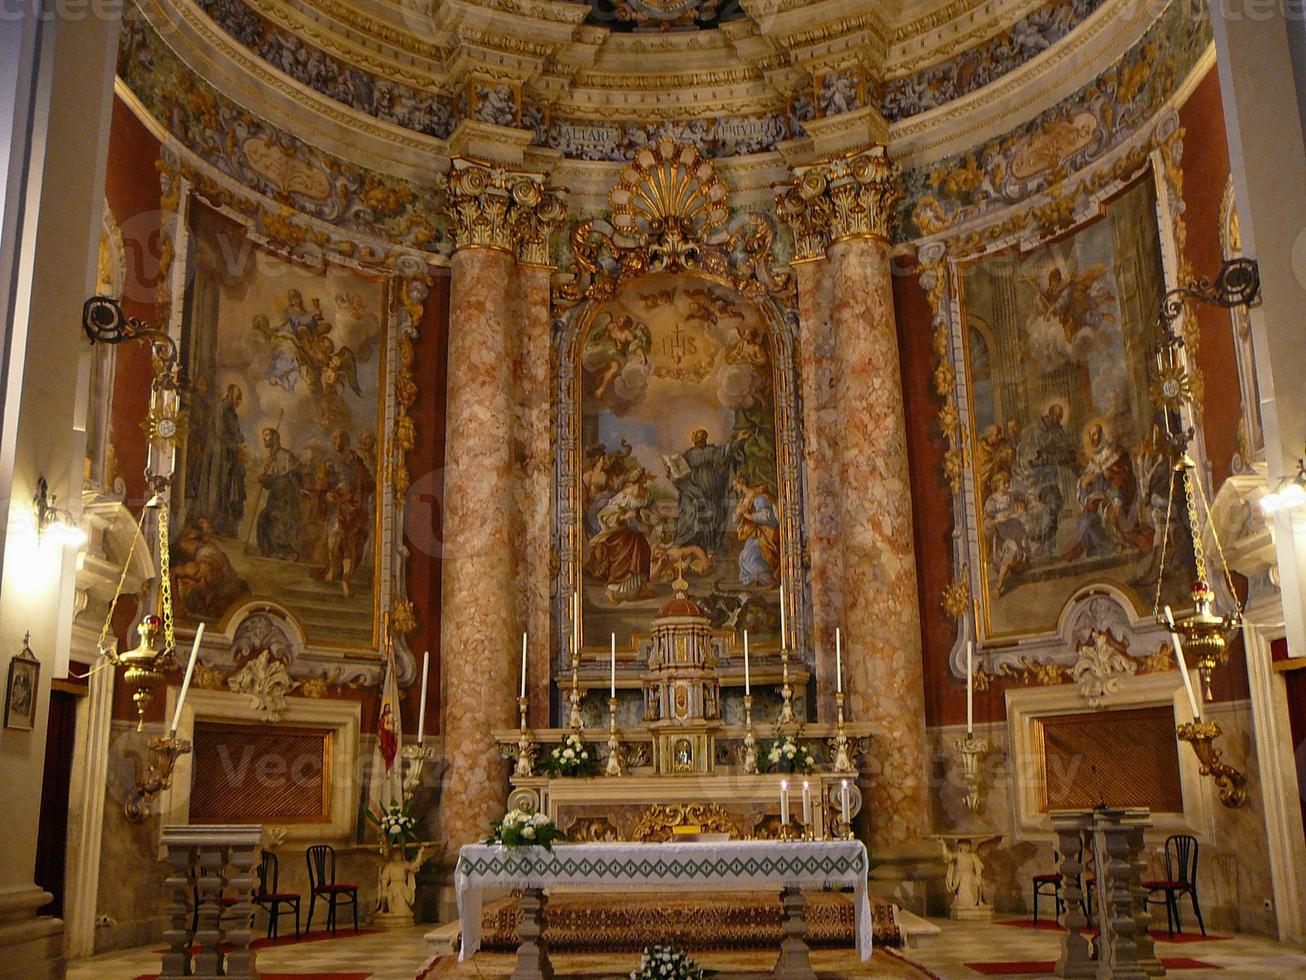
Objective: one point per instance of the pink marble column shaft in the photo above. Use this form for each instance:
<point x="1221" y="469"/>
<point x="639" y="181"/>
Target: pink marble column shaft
<point x="881" y="612"/>
<point x="533" y="481"/>
<point x="480" y="634"/>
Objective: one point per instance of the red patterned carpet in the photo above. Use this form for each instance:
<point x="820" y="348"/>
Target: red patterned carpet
<point x="1160" y="935"/>
<point x="1027" y="968"/>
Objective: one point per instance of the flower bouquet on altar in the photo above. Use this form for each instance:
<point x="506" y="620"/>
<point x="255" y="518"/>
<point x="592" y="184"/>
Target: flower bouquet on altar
<point x="788" y="755"/>
<point x="396" y="826"/>
<point x="669" y="963"/>
<point x="520" y="828"/>
<point x="573" y="757"/>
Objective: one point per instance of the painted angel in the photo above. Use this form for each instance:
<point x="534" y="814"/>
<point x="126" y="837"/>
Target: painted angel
<point x="620" y="341"/>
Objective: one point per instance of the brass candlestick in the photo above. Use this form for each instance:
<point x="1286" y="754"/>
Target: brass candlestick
<point x="971" y="748"/>
<point x="840" y="745"/>
<point x="1231" y="783"/>
<point x="416" y="757"/>
<point x="614" y="745"/>
<point x="574" y="720"/>
<point x="525" y="746"/>
<point x="750" y="743"/>
<point x="786" y="690"/>
<point x="164" y="751"/>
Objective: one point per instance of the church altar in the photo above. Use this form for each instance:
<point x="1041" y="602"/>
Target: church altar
<point x="725" y="865"/>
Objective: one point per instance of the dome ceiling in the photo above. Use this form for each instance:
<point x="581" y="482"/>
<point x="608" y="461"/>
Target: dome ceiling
<point x="399" y="85"/>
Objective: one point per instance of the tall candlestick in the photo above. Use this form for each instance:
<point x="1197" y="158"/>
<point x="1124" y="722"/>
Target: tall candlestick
<point x="784" y="801"/>
<point x="523" y="664"/>
<point x="185" y="682"/>
<point x="575" y="624"/>
<point x="838" y="663"/>
<point x="970" y="687"/>
<point x="612" y="693"/>
<point x="782" y="615"/>
<point x="843" y="802"/>
<point x="421" y="702"/>
<point x="747" y="687"/>
<point x="1183" y="666"/>
<point x="807" y="805"/>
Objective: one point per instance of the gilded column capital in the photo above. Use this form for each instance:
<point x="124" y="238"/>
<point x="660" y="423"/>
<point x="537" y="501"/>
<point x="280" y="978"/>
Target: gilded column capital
<point x="508" y="210"/>
<point x="840" y="199"/>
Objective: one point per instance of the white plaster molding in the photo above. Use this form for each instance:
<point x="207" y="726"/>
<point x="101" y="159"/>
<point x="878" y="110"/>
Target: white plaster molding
<point x="90" y="771"/>
<point x="1026" y="706"/>
<point x="342" y="718"/>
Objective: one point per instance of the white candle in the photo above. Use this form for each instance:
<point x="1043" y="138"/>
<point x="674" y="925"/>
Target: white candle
<point x="523" y="663"/>
<point x="421" y="703"/>
<point x="185" y="682"/>
<point x="1183" y="667"/>
<point x="784" y="801"/>
<point x="970" y="687"/>
<point x="782" y="615"/>
<point x="838" y="663"/>
<point x="613" y="692"/>
<point x="843" y="801"/>
<point x="747" y="688"/>
<point x="575" y="625"/>
<point x="807" y="803"/>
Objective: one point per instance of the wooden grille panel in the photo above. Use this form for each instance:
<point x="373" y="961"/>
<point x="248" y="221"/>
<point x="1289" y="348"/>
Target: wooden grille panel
<point x="1126" y="758"/>
<point x="259" y="774"/>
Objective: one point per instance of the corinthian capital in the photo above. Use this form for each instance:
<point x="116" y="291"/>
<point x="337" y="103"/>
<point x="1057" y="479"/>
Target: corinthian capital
<point x="503" y="209"/>
<point x="839" y="199"/>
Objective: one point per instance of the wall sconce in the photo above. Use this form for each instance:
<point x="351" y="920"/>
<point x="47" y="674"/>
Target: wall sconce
<point x="1231" y="783"/>
<point x="1289" y="494"/>
<point x="54" y="523"/>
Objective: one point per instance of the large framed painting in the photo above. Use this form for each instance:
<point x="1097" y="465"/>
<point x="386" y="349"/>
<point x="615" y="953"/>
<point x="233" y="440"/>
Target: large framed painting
<point x="679" y="486"/>
<point x="278" y="490"/>
<point x="1070" y="485"/>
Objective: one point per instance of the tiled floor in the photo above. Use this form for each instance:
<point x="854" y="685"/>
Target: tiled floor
<point x="398" y="955"/>
<point x="962" y="942"/>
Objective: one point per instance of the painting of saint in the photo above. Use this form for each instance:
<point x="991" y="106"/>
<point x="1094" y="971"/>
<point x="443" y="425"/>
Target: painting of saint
<point x="1070" y="484"/>
<point x="678" y="481"/>
<point x="277" y="489"/>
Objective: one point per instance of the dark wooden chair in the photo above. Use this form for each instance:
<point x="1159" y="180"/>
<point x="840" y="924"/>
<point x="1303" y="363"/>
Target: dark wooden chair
<point x="1050" y="885"/>
<point x="1180" y="878"/>
<point x="321" y="860"/>
<point x="272" y="900"/>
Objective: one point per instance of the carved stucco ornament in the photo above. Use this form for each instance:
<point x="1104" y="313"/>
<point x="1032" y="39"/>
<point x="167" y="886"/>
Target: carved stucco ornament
<point x="509" y="210"/>
<point x="265" y="682"/>
<point x="1101" y="663"/>
<point x="839" y="200"/>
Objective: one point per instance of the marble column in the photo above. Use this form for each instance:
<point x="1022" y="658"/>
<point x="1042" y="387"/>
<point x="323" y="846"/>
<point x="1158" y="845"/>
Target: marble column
<point x="859" y="507"/>
<point x="490" y="526"/>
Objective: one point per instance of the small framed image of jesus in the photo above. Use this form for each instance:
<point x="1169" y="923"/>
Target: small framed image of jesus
<point x="21" y="690"/>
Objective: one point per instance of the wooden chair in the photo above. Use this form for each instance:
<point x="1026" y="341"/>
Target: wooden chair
<point x="267" y="896"/>
<point x="1180" y="878"/>
<point x="321" y="860"/>
<point x="1050" y="884"/>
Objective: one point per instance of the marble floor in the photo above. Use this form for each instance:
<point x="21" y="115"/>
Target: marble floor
<point x="400" y="954"/>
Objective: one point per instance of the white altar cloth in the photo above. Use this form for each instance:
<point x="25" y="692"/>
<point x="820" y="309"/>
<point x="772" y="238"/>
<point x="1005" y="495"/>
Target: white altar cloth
<point x="728" y="865"/>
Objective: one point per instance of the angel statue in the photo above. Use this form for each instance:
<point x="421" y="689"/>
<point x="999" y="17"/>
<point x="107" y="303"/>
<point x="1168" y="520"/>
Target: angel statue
<point x="396" y="886"/>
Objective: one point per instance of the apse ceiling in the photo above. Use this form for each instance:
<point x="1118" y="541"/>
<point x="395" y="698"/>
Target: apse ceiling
<point x="593" y="80"/>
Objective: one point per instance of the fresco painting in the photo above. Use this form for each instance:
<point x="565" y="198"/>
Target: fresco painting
<point x="678" y="483"/>
<point x="1072" y="481"/>
<point x="277" y="494"/>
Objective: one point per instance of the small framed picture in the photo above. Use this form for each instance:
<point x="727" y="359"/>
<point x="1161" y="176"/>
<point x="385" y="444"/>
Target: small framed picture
<point x="20" y="692"/>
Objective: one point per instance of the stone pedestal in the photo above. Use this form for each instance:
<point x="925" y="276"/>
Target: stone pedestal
<point x="217" y="862"/>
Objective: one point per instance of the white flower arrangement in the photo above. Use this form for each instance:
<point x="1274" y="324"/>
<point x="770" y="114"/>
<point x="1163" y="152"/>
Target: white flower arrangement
<point x="668" y="963"/>
<point x="788" y="755"/>
<point x="573" y="757"/>
<point x="522" y="828"/>
<point x="395" y="826"/>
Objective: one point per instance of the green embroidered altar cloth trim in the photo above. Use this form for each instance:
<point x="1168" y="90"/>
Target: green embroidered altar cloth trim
<point x="721" y="865"/>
